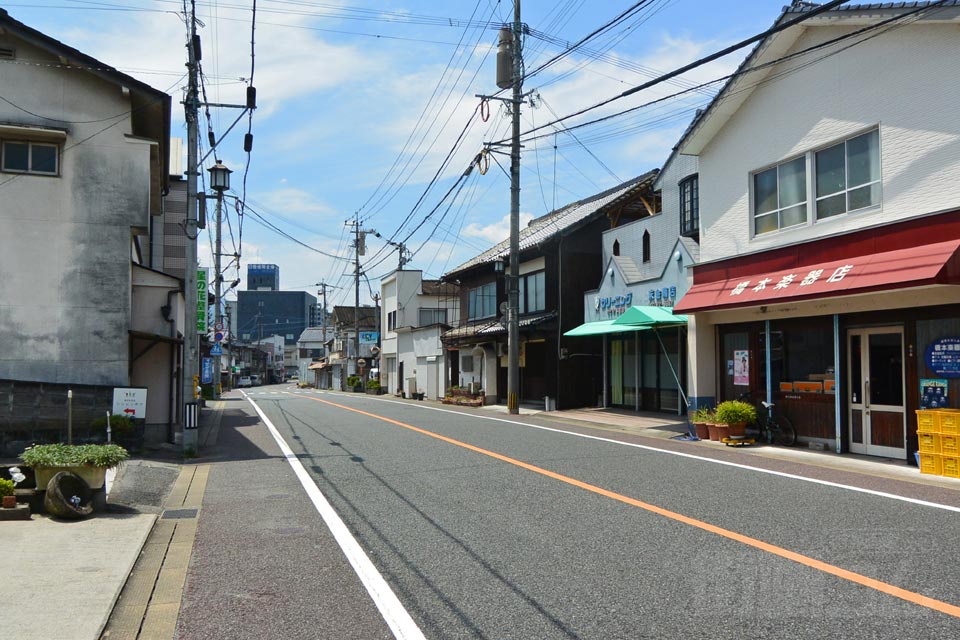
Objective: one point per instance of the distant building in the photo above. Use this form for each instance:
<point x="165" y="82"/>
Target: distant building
<point x="265" y="313"/>
<point x="263" y="277"/>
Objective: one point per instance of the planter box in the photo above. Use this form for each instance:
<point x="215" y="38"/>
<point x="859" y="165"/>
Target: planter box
<point x="374" y="392"/>
<point x="93" y="476"/>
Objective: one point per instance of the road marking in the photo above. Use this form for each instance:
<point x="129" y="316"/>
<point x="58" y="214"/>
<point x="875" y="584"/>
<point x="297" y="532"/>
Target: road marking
<point x="726" y="463"/>
<point x="857" y="578"/>
<point x="393" y="612"/>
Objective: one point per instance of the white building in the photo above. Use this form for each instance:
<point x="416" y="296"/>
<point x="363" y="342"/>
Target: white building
<point x="830" y="223"/>
<point x="415" y="312"/>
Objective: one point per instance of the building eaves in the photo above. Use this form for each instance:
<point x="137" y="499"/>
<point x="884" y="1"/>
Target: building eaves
<point x="561" y="220"/>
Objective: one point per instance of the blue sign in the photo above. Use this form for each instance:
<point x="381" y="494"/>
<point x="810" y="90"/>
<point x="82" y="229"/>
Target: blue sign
<point x="614" y="302"/>
<point x="206" y="375"/>
<point x="216" y="350"/>
<point x="943" y="357"/>
<point x="369" y="337"/>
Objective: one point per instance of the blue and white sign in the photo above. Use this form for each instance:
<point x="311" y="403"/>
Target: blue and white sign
<point x="943" y="357"/>
<point x="206" y="371"/>
<point x="617" y="303"/>
<point x="216" y="350"/>
<point x="369" y="337"/>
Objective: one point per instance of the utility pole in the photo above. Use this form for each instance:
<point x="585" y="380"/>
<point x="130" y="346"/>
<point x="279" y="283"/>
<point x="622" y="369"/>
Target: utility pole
<point x="360" y="248"/>
<point x="323" y="313"/>
<point x="191" y="346"/>
<point x="513" y="297"/>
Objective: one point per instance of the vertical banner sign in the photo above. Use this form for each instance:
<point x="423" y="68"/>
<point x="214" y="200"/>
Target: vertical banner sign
<point x="202" y="300"/>
<point x="206" y="375"/>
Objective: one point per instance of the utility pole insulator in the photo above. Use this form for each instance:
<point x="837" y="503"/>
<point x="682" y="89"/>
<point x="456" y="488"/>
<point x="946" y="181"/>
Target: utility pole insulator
<point x="505" y="59"/>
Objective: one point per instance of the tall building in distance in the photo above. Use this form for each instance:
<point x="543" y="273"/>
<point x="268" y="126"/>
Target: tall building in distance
<point x="263" y="277"/>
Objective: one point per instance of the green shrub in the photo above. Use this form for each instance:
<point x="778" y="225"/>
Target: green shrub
<point x="106" y="456"/>
<point x="119" y="425"/>
<point x="373" y="383"/>
<point x="735" y="412"/>
<point x="703" y="414"/>
<point x="6" y="487"/>
<point x="353" y="381"/>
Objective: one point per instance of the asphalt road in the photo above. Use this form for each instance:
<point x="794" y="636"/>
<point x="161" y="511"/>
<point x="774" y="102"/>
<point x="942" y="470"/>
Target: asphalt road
<point x="486" y="528"/>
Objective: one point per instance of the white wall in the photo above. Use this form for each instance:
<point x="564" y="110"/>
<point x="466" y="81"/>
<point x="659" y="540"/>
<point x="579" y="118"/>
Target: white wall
<point x="65" y="294"/>
<point x="906" y="80"/>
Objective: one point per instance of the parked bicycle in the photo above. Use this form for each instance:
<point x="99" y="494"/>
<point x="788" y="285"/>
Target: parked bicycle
<point x="772" y="426"/>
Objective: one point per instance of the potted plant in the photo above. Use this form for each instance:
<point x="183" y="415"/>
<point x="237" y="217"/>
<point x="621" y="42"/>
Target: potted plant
<point x="373" y="387"/>
<point x="700" y="418"/>
<point x="736" y="415"/>
<point x="6" y="492"/>
<point x="89" y="461"/>
<point x="354" y="383"/>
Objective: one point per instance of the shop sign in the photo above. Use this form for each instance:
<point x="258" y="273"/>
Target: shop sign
<point x="202" y="300"/>
<point x="792" y="281"/>
<point x="613" y="305"/>
<point x="664" y="297"/>
<point x="943" y="357"/>
<point x="130" y="402"/>
<point x="369" y="337"/>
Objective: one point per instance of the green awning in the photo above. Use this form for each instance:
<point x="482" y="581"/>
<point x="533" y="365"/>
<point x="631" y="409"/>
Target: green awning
<point x="597" y="328"/>
<point x="639" y="316"/>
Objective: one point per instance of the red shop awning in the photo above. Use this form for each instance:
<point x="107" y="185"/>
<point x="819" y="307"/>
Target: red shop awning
<point x="914" y="267"/>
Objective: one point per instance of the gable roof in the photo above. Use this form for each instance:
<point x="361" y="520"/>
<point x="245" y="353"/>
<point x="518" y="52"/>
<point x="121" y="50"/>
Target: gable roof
<point x="343" y="316"/>
<point x="563" y="220"/>
<point x="147" y="103"/>
<point x="734" y="93"/>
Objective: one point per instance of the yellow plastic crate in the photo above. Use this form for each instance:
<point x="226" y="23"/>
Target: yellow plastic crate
<point x="949" y="422"/>
<point x="950" y="466"/>
<point x="931" y="463"/>
<point x="929" y="442"/>
<point x="928" y="421"/>
<point x="949" y="444"/>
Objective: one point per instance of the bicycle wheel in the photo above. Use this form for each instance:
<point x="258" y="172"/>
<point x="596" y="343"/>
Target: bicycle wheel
<point x="784" y="433"/>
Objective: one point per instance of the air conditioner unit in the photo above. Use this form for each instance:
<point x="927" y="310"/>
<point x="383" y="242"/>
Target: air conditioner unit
<point x="503" y="349"/>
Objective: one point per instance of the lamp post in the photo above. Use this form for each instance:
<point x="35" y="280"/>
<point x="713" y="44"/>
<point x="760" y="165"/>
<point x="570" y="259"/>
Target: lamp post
<point x="219" y="182"/>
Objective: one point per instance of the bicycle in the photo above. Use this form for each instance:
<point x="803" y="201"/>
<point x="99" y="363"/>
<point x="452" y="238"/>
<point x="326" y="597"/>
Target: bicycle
<point x="773" y="427"/>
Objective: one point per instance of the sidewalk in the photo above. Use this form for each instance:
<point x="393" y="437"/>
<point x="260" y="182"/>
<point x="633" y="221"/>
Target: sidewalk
<point x="64" y="576"/>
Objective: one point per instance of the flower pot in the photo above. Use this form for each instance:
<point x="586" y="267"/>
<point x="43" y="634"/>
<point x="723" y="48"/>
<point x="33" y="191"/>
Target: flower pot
<point x="738" y="429"/>
<point x="9" y="502"/>
<point x="723" y="431"/>
<point x="712" y="432"/>
<point x="702" y="431"/>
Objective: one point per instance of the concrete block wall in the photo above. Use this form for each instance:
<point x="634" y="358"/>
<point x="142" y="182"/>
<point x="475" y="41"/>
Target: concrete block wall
<point x="36" y="412"/>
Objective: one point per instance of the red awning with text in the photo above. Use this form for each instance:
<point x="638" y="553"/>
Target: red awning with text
<point x="914" y="267"/>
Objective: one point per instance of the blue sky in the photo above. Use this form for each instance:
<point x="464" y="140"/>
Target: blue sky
<point x="361" y="102"/>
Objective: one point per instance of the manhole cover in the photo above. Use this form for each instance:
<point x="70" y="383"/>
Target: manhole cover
<point x="179" y="514"/>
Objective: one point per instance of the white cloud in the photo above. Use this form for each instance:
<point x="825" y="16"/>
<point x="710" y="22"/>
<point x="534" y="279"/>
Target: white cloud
<point x="497" y="231"/>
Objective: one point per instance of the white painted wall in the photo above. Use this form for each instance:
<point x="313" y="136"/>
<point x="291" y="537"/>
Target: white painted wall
<point x="906" y="80"/>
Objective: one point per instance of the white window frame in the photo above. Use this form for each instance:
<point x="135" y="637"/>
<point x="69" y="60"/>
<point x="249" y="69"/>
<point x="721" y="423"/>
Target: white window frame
<point x="811" y="187"/>
<point x="30" y="145"/>
<point x="848" y="188"/>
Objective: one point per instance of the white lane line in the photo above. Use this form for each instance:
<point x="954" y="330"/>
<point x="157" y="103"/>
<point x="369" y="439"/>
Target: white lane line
<point x="393" y="612"/>
<point x="737" y="465"/>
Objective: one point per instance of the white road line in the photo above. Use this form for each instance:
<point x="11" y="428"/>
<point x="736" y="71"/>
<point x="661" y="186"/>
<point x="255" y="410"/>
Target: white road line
<point x="737" y="465"/>
<point x="393" y="612"/>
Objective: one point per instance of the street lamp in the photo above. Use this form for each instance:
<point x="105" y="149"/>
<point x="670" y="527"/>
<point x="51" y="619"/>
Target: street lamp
<point x="219" y="182"/>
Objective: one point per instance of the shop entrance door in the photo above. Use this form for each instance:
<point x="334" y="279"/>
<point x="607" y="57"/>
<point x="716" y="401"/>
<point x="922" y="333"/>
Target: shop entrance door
<point x="877" y="416"/>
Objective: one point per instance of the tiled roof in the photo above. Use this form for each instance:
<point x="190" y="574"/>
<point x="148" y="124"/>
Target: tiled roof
<point x="437" y="288"/>
<point x="494" y="327"/>
<point x="556" y="222"/>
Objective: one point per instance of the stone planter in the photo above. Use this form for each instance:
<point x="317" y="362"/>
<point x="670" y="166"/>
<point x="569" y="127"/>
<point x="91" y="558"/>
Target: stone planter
<point x="93" y="476"/>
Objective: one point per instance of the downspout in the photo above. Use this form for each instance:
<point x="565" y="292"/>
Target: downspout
<point x="556" y="398"/>
<point x="167" y="313"/>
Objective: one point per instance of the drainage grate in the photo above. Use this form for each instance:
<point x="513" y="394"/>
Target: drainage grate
<point x="179" y="514"/>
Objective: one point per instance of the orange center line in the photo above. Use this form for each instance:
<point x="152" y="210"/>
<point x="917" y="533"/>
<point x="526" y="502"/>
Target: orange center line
<point x="851" y="576"/>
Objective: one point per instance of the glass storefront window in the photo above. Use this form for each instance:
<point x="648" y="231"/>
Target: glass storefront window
<point x="801" y="356"/>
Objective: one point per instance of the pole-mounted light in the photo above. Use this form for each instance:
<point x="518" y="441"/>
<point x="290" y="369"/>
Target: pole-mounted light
<point x="219" y="178"/>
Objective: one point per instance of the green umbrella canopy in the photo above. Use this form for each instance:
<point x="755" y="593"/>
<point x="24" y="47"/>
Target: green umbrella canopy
<point x="639" y="315"/>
